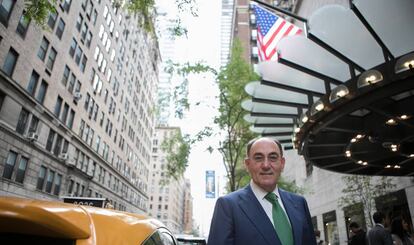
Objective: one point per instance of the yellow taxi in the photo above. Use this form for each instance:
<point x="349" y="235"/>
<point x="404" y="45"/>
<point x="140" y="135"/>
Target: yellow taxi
<point x="26" y="221"/>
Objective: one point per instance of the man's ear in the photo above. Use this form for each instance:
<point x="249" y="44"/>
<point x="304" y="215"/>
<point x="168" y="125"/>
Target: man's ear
<point x="246" y="164"/>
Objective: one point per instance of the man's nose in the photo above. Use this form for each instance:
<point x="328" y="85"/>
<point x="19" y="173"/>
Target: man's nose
<point x="266" y="163"/>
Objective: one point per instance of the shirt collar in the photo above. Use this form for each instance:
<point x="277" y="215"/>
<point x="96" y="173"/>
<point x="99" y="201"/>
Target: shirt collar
<point x="260" y="193"/>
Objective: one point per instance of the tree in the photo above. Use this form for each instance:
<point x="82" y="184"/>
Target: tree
<point x="231" y="82"/>
<point x="234" y="130"/>
<point x="177" y="148"/>
<point x="364" y="190"/>
<point x="38" y="10"/>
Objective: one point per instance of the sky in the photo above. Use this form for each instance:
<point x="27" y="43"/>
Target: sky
<point x="202" y="44"/>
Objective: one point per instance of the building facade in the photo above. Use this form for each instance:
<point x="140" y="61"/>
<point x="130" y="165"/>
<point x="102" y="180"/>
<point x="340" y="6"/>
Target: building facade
<point x="226" y="30"/>
<point x="188" y="209"/>
<point x="170" y="199"/>
<point x="323" y="188"/>
<point x="76" y="100"/>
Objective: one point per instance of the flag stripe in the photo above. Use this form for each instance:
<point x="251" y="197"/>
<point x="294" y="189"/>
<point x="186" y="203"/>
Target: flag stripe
<point x="270" y="30"/>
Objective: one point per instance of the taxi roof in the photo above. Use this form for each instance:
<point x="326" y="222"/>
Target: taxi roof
<point x="87" y="225"/>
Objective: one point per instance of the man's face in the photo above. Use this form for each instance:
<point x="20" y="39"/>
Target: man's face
<point x="265" y="163"/>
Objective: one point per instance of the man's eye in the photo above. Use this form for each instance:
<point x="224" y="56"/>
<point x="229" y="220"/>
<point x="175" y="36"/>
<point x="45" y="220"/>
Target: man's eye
<point x="258" y="159"/>
<point x="273" y="158"/>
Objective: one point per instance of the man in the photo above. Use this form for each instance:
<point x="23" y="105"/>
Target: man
<point x="358" y="237"/>
<point x="378" y="235"/>
<point x="261" y="213"/>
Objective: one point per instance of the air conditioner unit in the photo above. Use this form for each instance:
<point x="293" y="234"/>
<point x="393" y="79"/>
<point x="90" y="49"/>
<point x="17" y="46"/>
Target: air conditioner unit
<point x="77" y="95"/>
<point x="32" y="136"/>
<point x="64" y="156"/>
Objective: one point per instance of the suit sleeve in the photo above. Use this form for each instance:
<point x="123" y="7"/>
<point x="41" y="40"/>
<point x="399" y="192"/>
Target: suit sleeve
<point x="222" y="227"/>
<point x="309" y="235"/>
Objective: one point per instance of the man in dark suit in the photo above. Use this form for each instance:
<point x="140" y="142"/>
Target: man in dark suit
<point x="378" y="235"/>
<point x="359" y="235"/>
<point x="261" y="213"/>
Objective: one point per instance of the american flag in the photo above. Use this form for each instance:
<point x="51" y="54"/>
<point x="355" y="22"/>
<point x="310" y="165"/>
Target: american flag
<point x="270" y="30"/>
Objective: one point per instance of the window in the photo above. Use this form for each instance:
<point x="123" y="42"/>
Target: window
<point x="84" y="30"/>
<point x="31" y="87"/>
<point x="43" y="49"/>
<point x="33" y="124"/>
<point x="88" y="39"/>
<point x="65" y="5"/>
<point x="78" y="55"/>
<point x="58" y="145"/>
<point x="65" y="77"/>
<point x="58" y="183"/>
<point x="79" y="22"/>
<point x="94" y="16"/>
<point x="72" y="83"/>
<point x="21" y="170"/>
<point x="49" y="182"/>
<point x="60" y="29"/>
<point x="23" y="25"/>
<point x="73" y="46"/>
<point x="65" y="113"/>
<point x="52" y="19"/>
<point x="50" y="138"/>
<point x="70" y="120"/>
<point x="78" y="86"/>
<point x="98" y="142"/>
<point x="6" y="7"/>
<point x="51" y="59"/>
<point x="83" y="64"/>
<point x="9" y="166"/>
<point x="58" y="106"/>
<point x="10" y="62"/>
<point x="22" y="122"/>
<point x="41" y="178"/>
<point x="42" y="92"/>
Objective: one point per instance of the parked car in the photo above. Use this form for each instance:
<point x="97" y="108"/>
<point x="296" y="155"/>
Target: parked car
<point x="25" y="221"/>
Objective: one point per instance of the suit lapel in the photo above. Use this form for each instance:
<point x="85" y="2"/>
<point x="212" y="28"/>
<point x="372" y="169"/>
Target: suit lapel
<point x="254" y="211"/>
<point x="294" y="215"/>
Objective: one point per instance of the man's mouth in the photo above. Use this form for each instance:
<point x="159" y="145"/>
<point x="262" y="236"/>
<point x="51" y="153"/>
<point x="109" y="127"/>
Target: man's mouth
<point x="266" y="173"/>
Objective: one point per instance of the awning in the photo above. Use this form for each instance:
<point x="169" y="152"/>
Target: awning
<point x="343" y="95"/>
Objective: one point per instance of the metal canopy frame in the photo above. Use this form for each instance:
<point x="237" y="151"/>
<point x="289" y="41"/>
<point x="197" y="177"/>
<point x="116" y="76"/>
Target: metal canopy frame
<point x="363" y="124"/>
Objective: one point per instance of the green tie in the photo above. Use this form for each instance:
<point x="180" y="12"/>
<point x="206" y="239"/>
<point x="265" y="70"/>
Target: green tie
<point x="280" y="220"/>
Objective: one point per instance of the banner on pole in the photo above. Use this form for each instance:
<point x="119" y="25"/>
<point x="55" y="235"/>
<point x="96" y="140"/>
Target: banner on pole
<point x="210" y="184"/>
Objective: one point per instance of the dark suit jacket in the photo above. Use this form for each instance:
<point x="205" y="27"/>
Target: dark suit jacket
<point x="239" y="219"/>
<point x="378" y="235"/>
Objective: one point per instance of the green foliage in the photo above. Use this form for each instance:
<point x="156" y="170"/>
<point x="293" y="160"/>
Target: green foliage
<point x="290" y="186"/>
<point x="364" y="190"/>
<point x="231" y="82"/>
<point x="177" y="149"/>
<point x="177" y="29"/>
<point x="38" y="10"/>
<point x="145" y="9"/>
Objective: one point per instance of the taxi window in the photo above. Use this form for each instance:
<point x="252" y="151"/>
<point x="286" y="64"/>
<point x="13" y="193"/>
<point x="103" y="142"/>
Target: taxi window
<point x="14" y="238"/>
<point x="160" y="238"/>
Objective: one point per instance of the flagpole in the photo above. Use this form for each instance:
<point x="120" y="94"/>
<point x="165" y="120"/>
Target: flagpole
<point x="297" y="17"/>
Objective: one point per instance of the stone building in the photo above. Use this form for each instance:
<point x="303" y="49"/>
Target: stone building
<point x="170" y="199"/>
<point x="76" y="101"/>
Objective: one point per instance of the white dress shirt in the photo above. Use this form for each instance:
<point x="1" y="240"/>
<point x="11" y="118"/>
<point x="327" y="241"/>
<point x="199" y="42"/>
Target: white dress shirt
<point x="267" y="206"/>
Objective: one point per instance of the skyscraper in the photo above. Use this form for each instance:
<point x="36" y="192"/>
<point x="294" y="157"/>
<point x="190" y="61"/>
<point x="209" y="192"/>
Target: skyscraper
<point x="226" y="24"/>
<point x="76" y="101"/>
